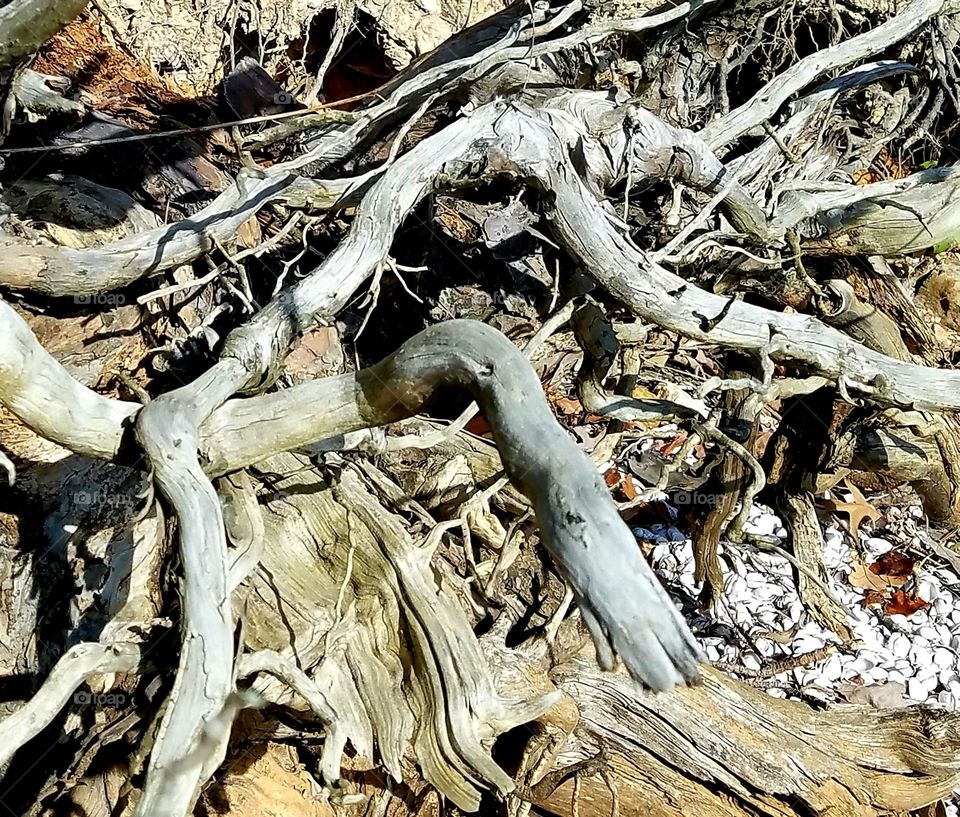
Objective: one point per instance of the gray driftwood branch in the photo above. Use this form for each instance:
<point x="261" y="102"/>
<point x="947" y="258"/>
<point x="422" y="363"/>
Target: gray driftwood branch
<point x="25" y="25"/>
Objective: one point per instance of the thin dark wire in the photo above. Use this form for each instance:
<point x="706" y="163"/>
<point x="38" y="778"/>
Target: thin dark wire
<point x="144" y="137"/>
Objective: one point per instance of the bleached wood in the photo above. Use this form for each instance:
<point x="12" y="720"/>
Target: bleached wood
<point x="75" y="666"/>
<point x="25" y="25"/>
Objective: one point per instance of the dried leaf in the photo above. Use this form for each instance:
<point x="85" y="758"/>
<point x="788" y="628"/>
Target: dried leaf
<point x="479" y="426"/>
<point x="629" y="489"/>
<point x="568" y="405"/>
<point x="760" y="443"/>
<point x="674" y="444"/>
<point x="861" y="576"/>
<point x="905" y="604"/>
<point x="873" y="598"/>
<point x="612" y="478"/>
<point x="893" y="563"/>
<point x="642" y="393"/>
<point x="856" y="510"/>
<point x="318" y="354"/>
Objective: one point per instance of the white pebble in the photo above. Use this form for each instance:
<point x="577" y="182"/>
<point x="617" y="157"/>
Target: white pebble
<point x="862" y="663"/>
<point x="942" y="606"/>
<point x="944" y="658"/>
<point x="764" y="524"/>
<point x="831" y="669"/>
<point x="899" y="645"/>
<point x="928" y="590"/>
<point x="766" y="647"/>
<point x="919" y="689"/>
<point x="928" y="672"/>
<point x="877" y="546"/>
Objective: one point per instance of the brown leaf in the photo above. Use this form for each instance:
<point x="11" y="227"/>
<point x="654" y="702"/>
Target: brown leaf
<point x="612" y="478"/>
<point x="674" y="444"/>
<point x="760" y="443"/>
<point x="629" y="489"/>
<point x="568" y="405"/>
<point x="318" y="354"/>
<point x="873" y="598"/>
<point x="861" y="576"/>
<point x="642" y="393"/>
<point x="856" y="510"/>
<point x="905" y="604"/>
<point x="479" y="426"/>
<point x="893" y="563"/>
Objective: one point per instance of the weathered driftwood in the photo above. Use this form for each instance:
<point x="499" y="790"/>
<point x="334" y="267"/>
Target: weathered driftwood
<point x="586" y="230"/>
<point x="636" y="620"/>
<point x="369" y="389"/>
<point x="77" y="665"/>
<point x="170" y="426"/>
<point x="895" y="217"/>
<point x="775" y="93"/>
<point x="477" y="358"/>
<point x="25" y="25"/>
<point x="718" y="746"/>
<point x="347" y="628"/>
<point x="574" y="147"/>
<point x="725" y="749"/>
<point x="64" y="271"/>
